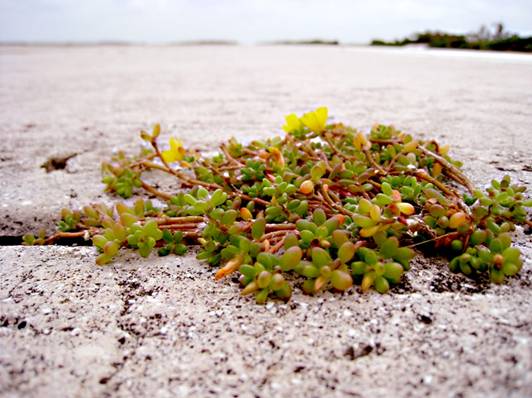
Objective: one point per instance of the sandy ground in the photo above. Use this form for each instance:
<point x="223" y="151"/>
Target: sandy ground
<point x="162" y="327"/>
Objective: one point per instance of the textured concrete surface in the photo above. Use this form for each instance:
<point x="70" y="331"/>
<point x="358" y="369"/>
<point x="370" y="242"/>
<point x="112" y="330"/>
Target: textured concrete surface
<point x="162" y="326"/>
<point x="90" y="100"/>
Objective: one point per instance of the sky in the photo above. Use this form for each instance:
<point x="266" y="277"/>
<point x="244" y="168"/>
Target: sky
<point x="250" y="21"/>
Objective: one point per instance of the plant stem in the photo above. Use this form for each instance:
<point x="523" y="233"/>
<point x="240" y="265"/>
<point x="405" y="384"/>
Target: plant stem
<point x="445" y="163"/>
<point x="179" y="220"/>
<point x="435" y="239"/>
<point x="151" y="189"/>
<point x="66" y="235"/>
<point x="280" y="227"/>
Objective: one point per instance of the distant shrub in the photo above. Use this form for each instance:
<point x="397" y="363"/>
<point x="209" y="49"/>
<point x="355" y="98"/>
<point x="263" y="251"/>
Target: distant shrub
<point x="483" y="39"/>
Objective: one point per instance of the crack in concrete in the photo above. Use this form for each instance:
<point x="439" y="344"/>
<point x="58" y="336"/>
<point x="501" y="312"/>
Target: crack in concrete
<point x="130" y="290"/>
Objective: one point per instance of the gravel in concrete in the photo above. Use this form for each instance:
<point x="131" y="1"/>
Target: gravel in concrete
<point x="163" y="327"/>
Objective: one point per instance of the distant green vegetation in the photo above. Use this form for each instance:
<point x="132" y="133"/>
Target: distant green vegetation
<point x="484" y="39"/>
<point x="310" y="42"/>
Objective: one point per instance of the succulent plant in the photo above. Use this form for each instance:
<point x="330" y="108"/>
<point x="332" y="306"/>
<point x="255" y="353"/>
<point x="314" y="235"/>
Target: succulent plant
<point x="325" y="207"/>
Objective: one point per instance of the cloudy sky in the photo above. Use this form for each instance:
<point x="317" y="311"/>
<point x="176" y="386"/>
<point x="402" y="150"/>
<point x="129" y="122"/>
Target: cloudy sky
<point x="250" y="21"/>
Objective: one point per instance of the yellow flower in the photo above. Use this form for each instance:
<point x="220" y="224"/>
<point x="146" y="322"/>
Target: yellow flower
<point x="292" y="123"/>
<point x="176" y="151"/>
<point x="316" y="120"/>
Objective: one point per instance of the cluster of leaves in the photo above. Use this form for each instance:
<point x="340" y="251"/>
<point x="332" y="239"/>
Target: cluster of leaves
<point x="325" y="207"/>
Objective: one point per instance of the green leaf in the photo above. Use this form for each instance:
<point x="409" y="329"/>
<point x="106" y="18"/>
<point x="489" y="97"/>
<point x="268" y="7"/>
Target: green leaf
<point x="305" y="225"/>
<point x="320" y="257"/>
<point x="319" y="217"/>
<point x="393" y="272"/>
<point x="264" y="279"/>
<point x="229" y="217"/>
<point x="290" y="258"/>
<point x="381" y="285"/>
<point x="248" y="270"/>
<point x="258" y="228"/>
<point x="363" y="221"/>
<point x="341" y="280"/>
<point x="218" y="198"/>
<point x="389" y="247"/>
<point x="346" y="252"/>
<point x="368" y="255"/>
